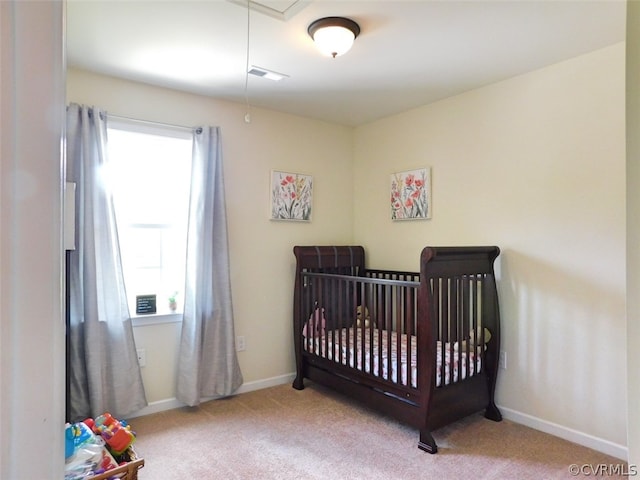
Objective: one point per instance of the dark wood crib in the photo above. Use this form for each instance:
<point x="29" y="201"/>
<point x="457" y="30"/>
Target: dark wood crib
<point x="420" y="347"/>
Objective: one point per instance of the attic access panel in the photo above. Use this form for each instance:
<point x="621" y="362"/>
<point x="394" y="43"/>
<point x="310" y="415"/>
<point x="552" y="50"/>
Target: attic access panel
<point x="279" y="9"/>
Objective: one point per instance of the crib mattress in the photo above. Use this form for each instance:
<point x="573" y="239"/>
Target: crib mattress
<point x="364" y="348"/>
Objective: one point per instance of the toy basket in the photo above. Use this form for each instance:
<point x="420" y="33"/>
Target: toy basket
<point x="126" y="471"/>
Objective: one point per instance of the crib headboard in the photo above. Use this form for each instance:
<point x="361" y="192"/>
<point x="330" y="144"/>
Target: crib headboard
<point x="450" y="261"/>
<point x="327" y="258"/>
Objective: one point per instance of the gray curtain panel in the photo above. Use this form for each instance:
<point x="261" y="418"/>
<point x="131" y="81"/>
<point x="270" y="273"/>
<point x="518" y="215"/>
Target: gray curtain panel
<point x="103" y="370"/>
<point x="207" y="362"/>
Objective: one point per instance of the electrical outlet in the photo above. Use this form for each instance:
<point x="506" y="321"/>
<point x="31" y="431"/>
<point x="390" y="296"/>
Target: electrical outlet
<point x="503" y="359"/>
<point x="142" y="357"/>
<point x="240" y="343"/>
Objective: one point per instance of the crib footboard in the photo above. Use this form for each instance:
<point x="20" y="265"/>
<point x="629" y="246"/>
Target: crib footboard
<point x="459" y="295"/>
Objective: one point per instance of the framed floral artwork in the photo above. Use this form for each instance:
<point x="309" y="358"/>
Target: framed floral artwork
<point x="291" y="196"/>
<point x="411" y="194"/>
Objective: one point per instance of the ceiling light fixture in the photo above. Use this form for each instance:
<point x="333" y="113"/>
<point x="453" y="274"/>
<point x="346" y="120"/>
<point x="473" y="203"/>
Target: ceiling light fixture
<point x="334" y="35"/>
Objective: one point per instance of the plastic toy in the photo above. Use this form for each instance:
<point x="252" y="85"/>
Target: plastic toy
<point x="75" y="435"/>
<point x="117" y="435"/>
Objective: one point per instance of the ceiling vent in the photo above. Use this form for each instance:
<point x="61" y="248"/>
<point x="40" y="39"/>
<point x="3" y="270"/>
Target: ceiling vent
<point x="263" y="72"/>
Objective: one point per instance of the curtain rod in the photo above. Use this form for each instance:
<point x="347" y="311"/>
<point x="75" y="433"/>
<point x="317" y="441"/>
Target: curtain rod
<point x="151" y="123"/>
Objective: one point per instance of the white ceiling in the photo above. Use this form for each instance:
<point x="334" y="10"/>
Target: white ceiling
<point x="409" y="53"/>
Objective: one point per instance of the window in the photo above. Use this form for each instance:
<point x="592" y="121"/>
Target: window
<point x="149" y="172"/>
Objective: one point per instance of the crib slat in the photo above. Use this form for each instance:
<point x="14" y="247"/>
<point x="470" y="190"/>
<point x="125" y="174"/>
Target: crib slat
<point x="380" y="318"/>
<point x="473" y="320"/>
<point x="437" y="320"/>
<point x="461" y="318"/>
<point x="314" y="294"/>
<point x="446" y="376"/>
<point x="398" y="337"/>
<point x="359" y="337"/>
<point x="409" y="316"/>
<point x="365" y="301"/>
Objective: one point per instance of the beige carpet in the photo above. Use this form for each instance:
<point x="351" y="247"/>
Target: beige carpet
<point x="281" y="433"/>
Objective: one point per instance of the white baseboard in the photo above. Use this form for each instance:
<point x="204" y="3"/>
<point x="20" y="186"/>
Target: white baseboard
<point x="171" y="403"/>
<point x="575" y="436"/>
<point x="266" y="383"/>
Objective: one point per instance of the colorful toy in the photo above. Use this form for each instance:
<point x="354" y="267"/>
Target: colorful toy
<point x="116" y="434"/>
<point x="75" y="435"/>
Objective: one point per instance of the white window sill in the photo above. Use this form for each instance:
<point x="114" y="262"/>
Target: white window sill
<point x="155" y="319"/>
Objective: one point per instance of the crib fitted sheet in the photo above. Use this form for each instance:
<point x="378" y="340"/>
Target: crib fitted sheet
<point x="363" y="348"/>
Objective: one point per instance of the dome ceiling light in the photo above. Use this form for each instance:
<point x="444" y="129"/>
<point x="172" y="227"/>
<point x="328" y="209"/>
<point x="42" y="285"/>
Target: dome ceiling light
<point x="334" y="35"/>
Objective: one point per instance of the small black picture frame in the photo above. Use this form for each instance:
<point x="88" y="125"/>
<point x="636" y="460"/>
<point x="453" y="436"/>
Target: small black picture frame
<point x="145" y="304"/>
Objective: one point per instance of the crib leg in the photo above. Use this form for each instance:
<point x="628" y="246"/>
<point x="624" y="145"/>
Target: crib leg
<point x="427" y="443"/>
<point x="492" y="412"/>
<point x="298" y="383"/>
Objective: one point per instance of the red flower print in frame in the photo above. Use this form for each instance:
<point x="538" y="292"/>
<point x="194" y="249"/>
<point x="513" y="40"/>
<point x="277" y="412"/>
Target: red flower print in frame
<point x="291" y="196"/>
<point x="411" y="194"/>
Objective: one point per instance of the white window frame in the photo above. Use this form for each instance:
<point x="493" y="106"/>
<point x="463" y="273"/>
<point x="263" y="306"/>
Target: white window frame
<point x="165" y="130"/>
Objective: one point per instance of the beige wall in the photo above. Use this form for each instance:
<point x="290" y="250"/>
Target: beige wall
<point x="633" y="228"/>
<point x="262" y="260"/>
<point x="536" y="165"/>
